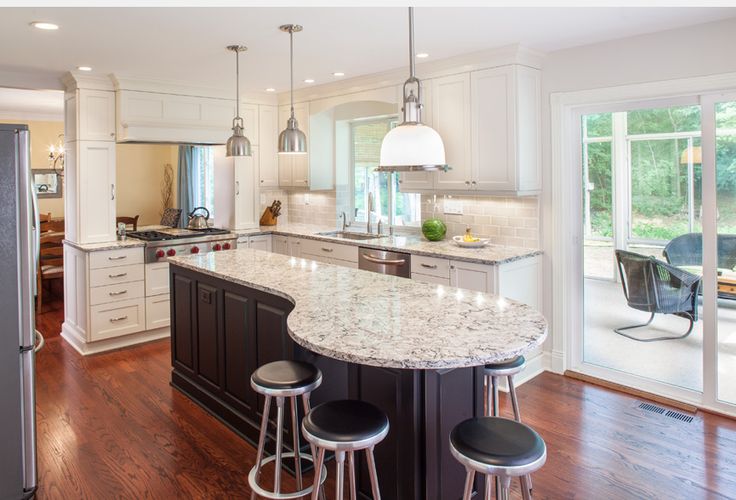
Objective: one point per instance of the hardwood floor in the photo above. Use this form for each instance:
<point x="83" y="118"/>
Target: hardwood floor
<point x="110" y="426"/>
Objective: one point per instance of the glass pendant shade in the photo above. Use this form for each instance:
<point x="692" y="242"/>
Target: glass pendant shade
<point x="412" y="146"/>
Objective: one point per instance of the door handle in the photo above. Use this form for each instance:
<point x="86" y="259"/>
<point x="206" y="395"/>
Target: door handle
<point x="115" y="294"/>
<point x="387" y="262"/>
<point x="112" y="191"/>
<point x="119" y="275"/>
<point x="119" y="257"/>
<point x="429" y="266"/>
<point x="119" y="318"/>
<point x="237" y="188"/>
<point x="327" y="249"/>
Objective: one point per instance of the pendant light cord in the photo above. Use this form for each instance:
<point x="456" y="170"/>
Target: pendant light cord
<point x="237" y="84"/>
<point x="291" y="67"/>
<point x="411" y="43"/>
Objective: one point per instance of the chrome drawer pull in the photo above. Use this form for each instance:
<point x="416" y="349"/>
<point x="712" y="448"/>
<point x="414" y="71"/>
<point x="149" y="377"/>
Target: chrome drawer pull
<point x="386" y="262"/>
<point x="327" y="249"/>
<point x="429" y="266"/>
<point x="115" y="294"/>
<point x="119" y="257"/>
<point x="119" y="318"/>
<point x="120" y="275"/>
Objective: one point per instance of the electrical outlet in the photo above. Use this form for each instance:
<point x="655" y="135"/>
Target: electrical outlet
<point x="452" y="207"/>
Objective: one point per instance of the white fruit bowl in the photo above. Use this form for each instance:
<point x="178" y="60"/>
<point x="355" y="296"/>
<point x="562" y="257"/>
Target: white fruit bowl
<point x="470" y="244"/>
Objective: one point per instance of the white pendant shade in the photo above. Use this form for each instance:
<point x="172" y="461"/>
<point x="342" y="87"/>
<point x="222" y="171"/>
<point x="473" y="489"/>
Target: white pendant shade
<point x="413" y="147"/>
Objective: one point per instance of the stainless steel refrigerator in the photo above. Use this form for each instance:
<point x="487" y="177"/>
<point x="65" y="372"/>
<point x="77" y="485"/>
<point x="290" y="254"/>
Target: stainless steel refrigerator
<point x="19" y="242"/>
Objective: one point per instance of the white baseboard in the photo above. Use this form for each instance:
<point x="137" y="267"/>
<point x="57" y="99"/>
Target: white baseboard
<point x="556" y="362"/>
<point x="77" y="341"/>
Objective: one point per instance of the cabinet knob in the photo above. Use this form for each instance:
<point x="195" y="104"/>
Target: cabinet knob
<point x="261" y="181"/>
<point x="112" y="134"/>
<point x="467" y="183"/>
<point x="473" y="183"/>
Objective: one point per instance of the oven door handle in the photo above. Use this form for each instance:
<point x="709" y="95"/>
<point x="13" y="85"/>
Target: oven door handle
<point x="385" y="262"/>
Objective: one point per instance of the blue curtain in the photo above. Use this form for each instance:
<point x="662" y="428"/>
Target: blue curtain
<point x="185" y="182"/>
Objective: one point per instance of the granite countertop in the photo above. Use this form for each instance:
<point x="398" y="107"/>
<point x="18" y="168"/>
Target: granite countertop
<point x="108" y="245"/>
<point x="413" y="244"/>
<point x="379" y="320"/>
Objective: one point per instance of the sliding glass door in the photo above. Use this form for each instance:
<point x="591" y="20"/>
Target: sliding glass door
<point x="658" y="270"/>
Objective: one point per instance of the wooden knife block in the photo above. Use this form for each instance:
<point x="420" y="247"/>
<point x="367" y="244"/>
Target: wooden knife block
<point x="267" y="219"/>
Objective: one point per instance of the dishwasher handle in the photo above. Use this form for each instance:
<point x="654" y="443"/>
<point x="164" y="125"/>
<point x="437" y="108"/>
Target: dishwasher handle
<point x="385" y="262"/>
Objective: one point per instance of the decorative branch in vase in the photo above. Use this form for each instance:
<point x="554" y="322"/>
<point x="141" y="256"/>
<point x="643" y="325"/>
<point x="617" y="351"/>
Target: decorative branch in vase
<point x="167" y="188"/>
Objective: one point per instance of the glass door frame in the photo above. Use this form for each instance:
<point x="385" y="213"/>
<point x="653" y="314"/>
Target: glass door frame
<point x="573" y="349"/>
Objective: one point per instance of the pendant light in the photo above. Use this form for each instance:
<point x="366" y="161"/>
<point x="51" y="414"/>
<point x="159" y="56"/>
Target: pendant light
<point x="291" y="139"/>
<point x="238" y="144"/>
<point x="411" y="145"/>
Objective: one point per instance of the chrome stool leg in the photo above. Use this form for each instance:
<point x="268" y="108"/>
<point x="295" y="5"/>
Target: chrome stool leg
<point x="279" y="443"/>
<point x="297" y="448"/>
<point x="503" y="493"/>
<point x="351" y="471"/>
<point x="340" y="480"/>
<point x="318" y="463"/>
<point x="262" y="441"/>
<point x="468" y="493"/>
<point x="372" y="473"/>
<point x="517" y="416"/>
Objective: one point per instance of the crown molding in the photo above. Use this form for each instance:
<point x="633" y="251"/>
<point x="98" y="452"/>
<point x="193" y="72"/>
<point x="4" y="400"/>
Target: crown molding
<point x="501" y="56"/>
<point x="73" y="80"/>
<point x="163" y="86"/>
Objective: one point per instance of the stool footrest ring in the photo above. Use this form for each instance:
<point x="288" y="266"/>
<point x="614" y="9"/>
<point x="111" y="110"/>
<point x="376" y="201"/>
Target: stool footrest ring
<point x="283" y="496"/>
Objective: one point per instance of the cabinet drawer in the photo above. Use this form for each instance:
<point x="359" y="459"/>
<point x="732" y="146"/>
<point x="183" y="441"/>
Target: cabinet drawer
<point x="117" y="319"/>
<point x="430" y="266"/>
<point x="427" y="278"/>
<point x="114" y="275"/>
<point x="115" y="258"/>
<point x="331" y="250"/>
<point x="158" y="313"/>
<point x="157" y="278"/>
<point x="115" y="293"/>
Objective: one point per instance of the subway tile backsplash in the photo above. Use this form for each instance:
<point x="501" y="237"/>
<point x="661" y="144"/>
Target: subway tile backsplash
<point x="316" y="207"/>
<point x="506" y="221"/>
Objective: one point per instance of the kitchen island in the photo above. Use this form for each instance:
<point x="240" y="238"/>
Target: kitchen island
<point x="416" y="350"/>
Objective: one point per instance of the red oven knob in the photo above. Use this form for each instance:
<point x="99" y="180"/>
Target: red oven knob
<point x="171" y="252"/>
<point x="195" y="250"/>
<point x="160" y="254"/>
<point x="216" y="247"/>
<point x="226" y="246"/>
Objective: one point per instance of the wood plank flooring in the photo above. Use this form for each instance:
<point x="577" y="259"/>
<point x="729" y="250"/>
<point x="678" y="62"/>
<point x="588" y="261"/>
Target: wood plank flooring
<point x="110" y="426"/>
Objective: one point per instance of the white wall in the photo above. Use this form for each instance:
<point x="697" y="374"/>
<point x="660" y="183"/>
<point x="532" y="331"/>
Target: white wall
<point x="685" y="52"/>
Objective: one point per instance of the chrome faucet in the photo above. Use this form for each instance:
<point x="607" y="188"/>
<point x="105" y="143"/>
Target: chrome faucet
<point x="369" y="225"/>
<point x="345" y="223"/>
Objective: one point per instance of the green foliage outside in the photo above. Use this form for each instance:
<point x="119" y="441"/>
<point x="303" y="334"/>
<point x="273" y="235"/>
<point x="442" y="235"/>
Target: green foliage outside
<point x="659" y="172"/>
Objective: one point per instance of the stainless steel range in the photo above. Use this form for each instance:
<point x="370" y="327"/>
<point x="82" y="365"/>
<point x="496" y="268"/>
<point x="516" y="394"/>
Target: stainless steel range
<point x="168" y="242"/>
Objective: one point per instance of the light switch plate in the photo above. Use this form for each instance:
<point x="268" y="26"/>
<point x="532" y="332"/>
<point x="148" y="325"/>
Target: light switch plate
<point x="454" y="207"/>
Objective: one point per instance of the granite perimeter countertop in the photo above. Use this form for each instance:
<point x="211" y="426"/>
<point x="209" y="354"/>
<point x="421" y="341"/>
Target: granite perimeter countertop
<point x="413" y="244"/>
<point x="108" y="245"/>
<point x="379" y="320"/>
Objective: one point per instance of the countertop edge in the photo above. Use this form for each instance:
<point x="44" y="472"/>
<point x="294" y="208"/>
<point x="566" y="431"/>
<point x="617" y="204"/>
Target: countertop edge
<point x="108" y="245"/>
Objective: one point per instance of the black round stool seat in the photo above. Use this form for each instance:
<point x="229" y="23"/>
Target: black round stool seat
<point x="286" y="375"/>
<point x="345" y="421"/>
<point x="499" y="442"/>
<point x="509" y="363"/>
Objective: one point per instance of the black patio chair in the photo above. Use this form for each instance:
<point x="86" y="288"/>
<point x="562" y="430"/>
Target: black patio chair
<point x="654" y="286"/>
<point x="687" y="250"/>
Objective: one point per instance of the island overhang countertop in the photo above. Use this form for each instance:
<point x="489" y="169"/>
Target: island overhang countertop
<point x="378" y="320"/>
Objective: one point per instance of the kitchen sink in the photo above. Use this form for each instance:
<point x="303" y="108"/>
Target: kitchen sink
<point x="349" y="235"/>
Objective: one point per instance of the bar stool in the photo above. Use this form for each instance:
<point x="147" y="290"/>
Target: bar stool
<point x="346" y="426"/>
<point x="280" y="380"/>
<point x="498" y="447"/>
<point x="492" y="372"/>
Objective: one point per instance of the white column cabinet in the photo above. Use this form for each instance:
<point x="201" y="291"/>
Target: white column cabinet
<point x="451" y="119"/>
<point x="96" y="115"/>
<point x="246" y="198"/>
<point x="268" y="123"/>
<point x="93" y="205"/>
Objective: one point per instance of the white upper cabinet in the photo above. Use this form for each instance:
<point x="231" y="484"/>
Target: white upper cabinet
<point x="268" y="124"/>
<point x="410" y="182"/>
<point x="451" y="119"/>
<point x="94" y="200"/>
<point x="294" y="168"/>
<point x="505" y="130"/>
<point x="90" y="116"/>
<point x="247" y="201"/>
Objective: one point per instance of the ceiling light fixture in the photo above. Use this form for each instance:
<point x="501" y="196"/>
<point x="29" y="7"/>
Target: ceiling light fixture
<point x="291" y="139"/>
<point x="309" y="80"/>
<point x="422" y="55"/>
<point x="84" y="68"/>
<point x="270" y="89"/>
<point x="238" y="144"/>
<point x="412" y="146"/>
<point x="338" y="73"/>
<point x="43" y="25"/>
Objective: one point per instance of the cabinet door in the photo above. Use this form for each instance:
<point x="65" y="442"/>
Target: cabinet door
<point x="295" y="247"/>
<point x="411" y="182"/>
<point x="96" y="115"/>
<point x="246" y="199"/>
<point x="96" y="191"/>
<point x="451" y="119"/>
<point x="262" y="242"/>
<point x="280" y="244"/>
<point x="493" y="122"/>
<point x="268" y="145"/>
<point x="470" y="276"/>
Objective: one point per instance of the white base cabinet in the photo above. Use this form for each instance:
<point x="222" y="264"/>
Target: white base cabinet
<point x="330" y="253"/>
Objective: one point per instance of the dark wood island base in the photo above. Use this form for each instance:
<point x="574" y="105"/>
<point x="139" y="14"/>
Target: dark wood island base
<point x="221" y="332"/>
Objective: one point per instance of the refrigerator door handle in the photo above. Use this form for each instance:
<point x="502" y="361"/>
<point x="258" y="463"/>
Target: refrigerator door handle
<point x="40" y="341"/>
<point x="30" y="473"/>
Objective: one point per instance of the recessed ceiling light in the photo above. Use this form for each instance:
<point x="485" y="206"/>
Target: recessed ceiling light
<point x="84" y="68"/>
<point x="422" y="55"/>
<point x="42" y="25"/>
<point x="338" y="73"/>
<point x="270" y="89"/>
<point x="309" y="80"/>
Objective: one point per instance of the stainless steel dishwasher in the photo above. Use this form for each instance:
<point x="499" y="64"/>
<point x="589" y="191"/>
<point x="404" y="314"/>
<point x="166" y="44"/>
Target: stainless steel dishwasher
<point x="384" y="262"/>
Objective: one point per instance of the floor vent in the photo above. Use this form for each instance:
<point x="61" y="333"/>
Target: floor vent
<point x="652" y="408"/>
<point x="667" y="413"/>
<point x="679" y="416"/>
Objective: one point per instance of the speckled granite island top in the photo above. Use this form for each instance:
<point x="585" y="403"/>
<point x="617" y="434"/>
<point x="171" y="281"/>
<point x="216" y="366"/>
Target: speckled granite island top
<point x="378" y="320"/>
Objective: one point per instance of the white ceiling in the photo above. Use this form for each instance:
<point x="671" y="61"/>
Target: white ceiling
<point x="19" y="104"/>
<point x="187" y="44"/>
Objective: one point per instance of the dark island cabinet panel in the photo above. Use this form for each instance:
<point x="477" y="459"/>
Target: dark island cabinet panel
<point x="221" y="332"/>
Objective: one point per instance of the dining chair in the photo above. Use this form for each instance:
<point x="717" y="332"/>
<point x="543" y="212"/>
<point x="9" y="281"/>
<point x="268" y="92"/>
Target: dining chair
<point x="50" y="262"/>
<point x="132" y="221"/>
<point x="52" y="226"/>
